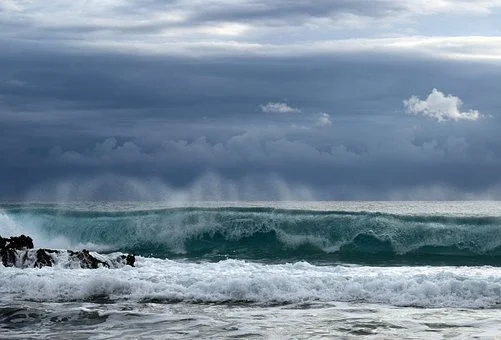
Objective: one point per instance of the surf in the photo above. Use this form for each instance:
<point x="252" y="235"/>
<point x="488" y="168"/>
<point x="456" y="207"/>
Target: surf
<point x="264" y="234"/>
<point x="238" y="282"/>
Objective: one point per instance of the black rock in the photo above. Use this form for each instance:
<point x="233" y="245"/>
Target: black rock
<point x="130" y="259"/>
<point x="8" y="257"/>
<point x="16" y="242"/>
<point x="19" y="252"/>
<point x="43" y="258"/>
<point x="8" y="247"/>
<point x="87" y="260"/>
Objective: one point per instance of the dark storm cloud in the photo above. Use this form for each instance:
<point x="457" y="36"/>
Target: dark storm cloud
<point x="143" y="17"/>
<point x="111" y="85"/>
<point x="389" y="160"/>
<point x="299" y="11"/>
<point x="58" y="20"/>
<point x="129" y="92"/>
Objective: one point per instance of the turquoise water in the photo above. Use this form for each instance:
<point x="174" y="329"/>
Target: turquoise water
<point x="277" y="234"/>
<point x="259" y="270"/>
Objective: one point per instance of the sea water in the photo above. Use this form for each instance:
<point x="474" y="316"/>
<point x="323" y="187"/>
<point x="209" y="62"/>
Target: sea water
<point x="259" y="270"/>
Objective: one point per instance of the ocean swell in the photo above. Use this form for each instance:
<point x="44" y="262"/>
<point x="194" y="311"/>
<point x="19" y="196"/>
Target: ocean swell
<point x="265" y="234"/>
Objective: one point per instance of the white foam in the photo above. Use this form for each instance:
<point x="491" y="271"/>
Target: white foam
<point x="27" y="258"/>
<point x="234" y="280"/>
<point x="8" y="227"/>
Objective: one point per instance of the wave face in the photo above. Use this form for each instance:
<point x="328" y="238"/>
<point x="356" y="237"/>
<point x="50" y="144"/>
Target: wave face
<point x="264" y="234"/>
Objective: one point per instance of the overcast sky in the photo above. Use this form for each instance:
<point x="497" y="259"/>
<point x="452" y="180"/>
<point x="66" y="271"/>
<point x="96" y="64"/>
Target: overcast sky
<point x="240" y="99"/>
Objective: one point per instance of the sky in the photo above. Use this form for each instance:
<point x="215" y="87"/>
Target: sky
<point x="250" y="100"/>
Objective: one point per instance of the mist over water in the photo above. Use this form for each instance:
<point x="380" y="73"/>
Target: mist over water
<point x="214" y="187"/>
<point x="210" y="187"/>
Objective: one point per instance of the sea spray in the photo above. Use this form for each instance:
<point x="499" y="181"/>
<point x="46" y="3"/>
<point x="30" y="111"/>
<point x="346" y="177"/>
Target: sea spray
<point x="267" y="234"/>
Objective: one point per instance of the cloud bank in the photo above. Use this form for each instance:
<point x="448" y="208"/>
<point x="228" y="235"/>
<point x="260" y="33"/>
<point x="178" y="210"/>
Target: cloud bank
<point x="308" y="90"/>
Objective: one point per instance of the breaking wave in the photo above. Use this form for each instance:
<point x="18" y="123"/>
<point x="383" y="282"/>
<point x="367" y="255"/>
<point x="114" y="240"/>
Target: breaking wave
<point x="241" y="282"/>
<point x="264" y="234"/>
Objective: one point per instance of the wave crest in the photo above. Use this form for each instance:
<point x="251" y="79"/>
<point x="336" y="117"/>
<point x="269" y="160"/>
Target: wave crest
<point x="267" y="234"/>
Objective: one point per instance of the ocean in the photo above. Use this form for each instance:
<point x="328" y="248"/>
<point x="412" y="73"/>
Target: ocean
<point x="258" y="270"/>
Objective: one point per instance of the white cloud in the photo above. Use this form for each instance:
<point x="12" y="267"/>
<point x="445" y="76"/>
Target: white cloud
<point x="323" y="119"/>
<point x="279" y="108"/>
<point x="440" y="106"/>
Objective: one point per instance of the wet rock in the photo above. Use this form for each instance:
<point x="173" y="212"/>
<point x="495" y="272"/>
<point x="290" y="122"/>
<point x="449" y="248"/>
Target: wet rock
<point x="18" y="252"/>
<point x="16" y="242"/>
<point x="8" y="247"/>
<point x="130" y="259"/>
<point x="87" y="260"/>
<point x="43" y="258"/>
<point x="8" y="257"/>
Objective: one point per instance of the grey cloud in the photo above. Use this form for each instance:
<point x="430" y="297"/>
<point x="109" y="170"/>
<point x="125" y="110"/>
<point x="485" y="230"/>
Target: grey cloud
<point x="261" y="151"/>
<point x="323" y="119"/>
<point x="176" y="119"/>
<point x="285" y="11"/>
<point x="130" y="17"/>
<point x="56" y="20"/>
<point x="388" y="165"/>
<point x="277" y="10"/>
<point x="108" y="81"/>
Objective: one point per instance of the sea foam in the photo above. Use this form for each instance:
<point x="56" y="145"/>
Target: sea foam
<point x="236" y="281"/>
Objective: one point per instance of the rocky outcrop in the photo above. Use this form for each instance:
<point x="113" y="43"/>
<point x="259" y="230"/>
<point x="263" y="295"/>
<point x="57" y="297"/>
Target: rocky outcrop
<point x="19" y="242"/>
<point x="9" y="247"/>
<point x="19" y="252"/>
